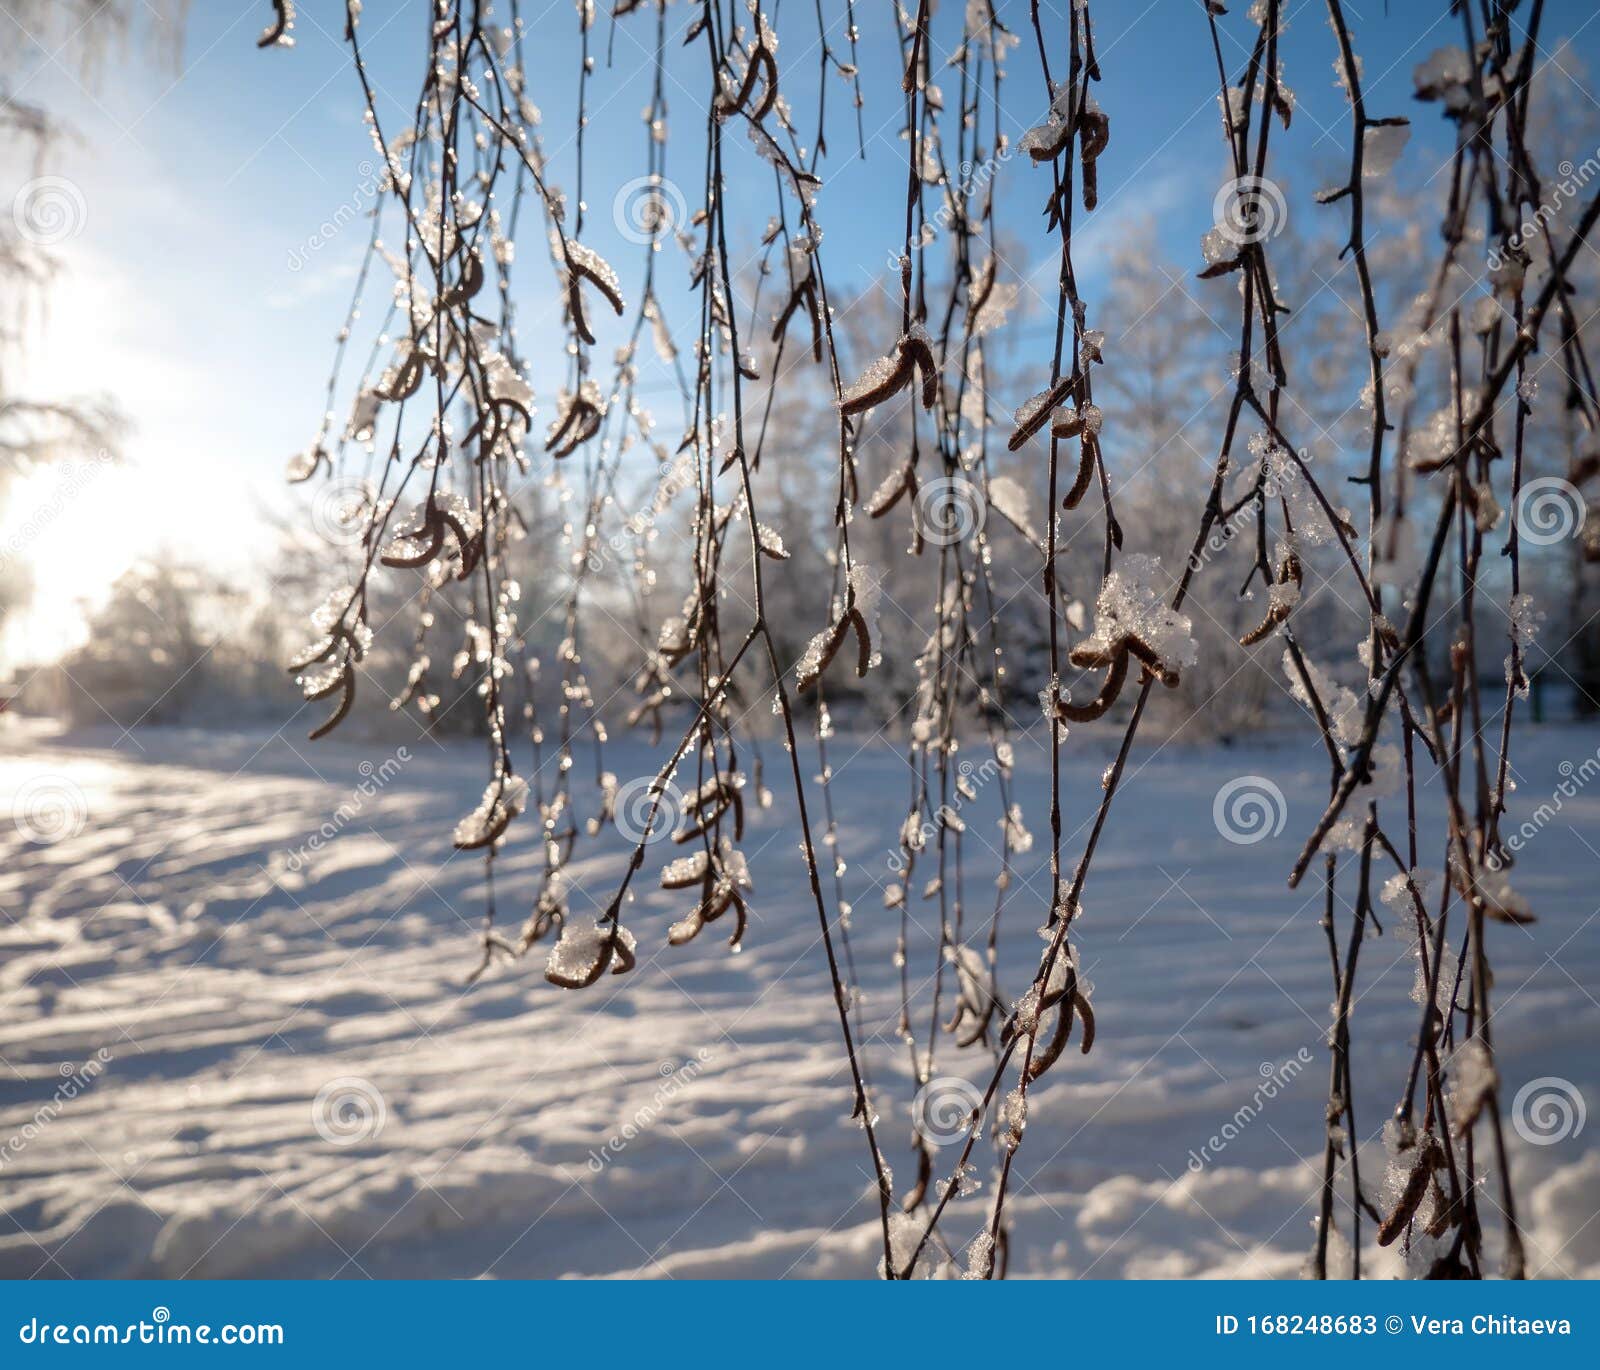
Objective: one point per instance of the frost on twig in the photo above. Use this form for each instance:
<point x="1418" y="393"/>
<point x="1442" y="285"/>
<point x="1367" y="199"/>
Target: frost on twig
<point x="585" y="951"/>
<point x="503" y="799"/>
<point x="586" y="266"/>
<point x="887" y="376"/>
<point x="1132" y="620"/>
<point x="724" y="879"/>
<point x="857" y="614"/>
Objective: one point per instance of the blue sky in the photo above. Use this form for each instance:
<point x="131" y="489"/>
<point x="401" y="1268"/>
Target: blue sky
<point x="205" y="288"/>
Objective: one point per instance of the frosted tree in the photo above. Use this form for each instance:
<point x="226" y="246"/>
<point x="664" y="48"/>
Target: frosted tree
<point x="446" y="430"/>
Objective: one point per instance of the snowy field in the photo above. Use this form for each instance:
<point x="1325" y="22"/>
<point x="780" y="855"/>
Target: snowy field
<point x="177" y="996"/>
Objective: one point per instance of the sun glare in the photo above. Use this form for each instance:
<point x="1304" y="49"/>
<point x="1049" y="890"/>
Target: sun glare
<point x="68" y="531"/>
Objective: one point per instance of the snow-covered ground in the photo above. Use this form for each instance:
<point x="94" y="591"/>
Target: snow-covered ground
<point x="215" y="1064"/>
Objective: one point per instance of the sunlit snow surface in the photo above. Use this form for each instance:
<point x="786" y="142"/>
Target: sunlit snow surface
<point x="177" y="996"/>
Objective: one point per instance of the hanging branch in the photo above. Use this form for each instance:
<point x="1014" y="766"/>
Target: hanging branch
<point x="444" y="451"/>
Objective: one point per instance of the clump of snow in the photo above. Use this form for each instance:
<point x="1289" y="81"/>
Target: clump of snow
<point x="1444" y="75"/>
<point x="1017" y="837"/>
<point x="1008" y="499"/>
<point x="1344" y="710"/>
<point x="582" y="943"/>
<point x="1028" y="412"/>
<point x="1381" y="148"/>
<point x="1133" y="603"/>
<point x="503" y="799"/>
<point x="1013" y="1118"/>
<point x="1472" y="1069"/>
<point x="872" y="379"/>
